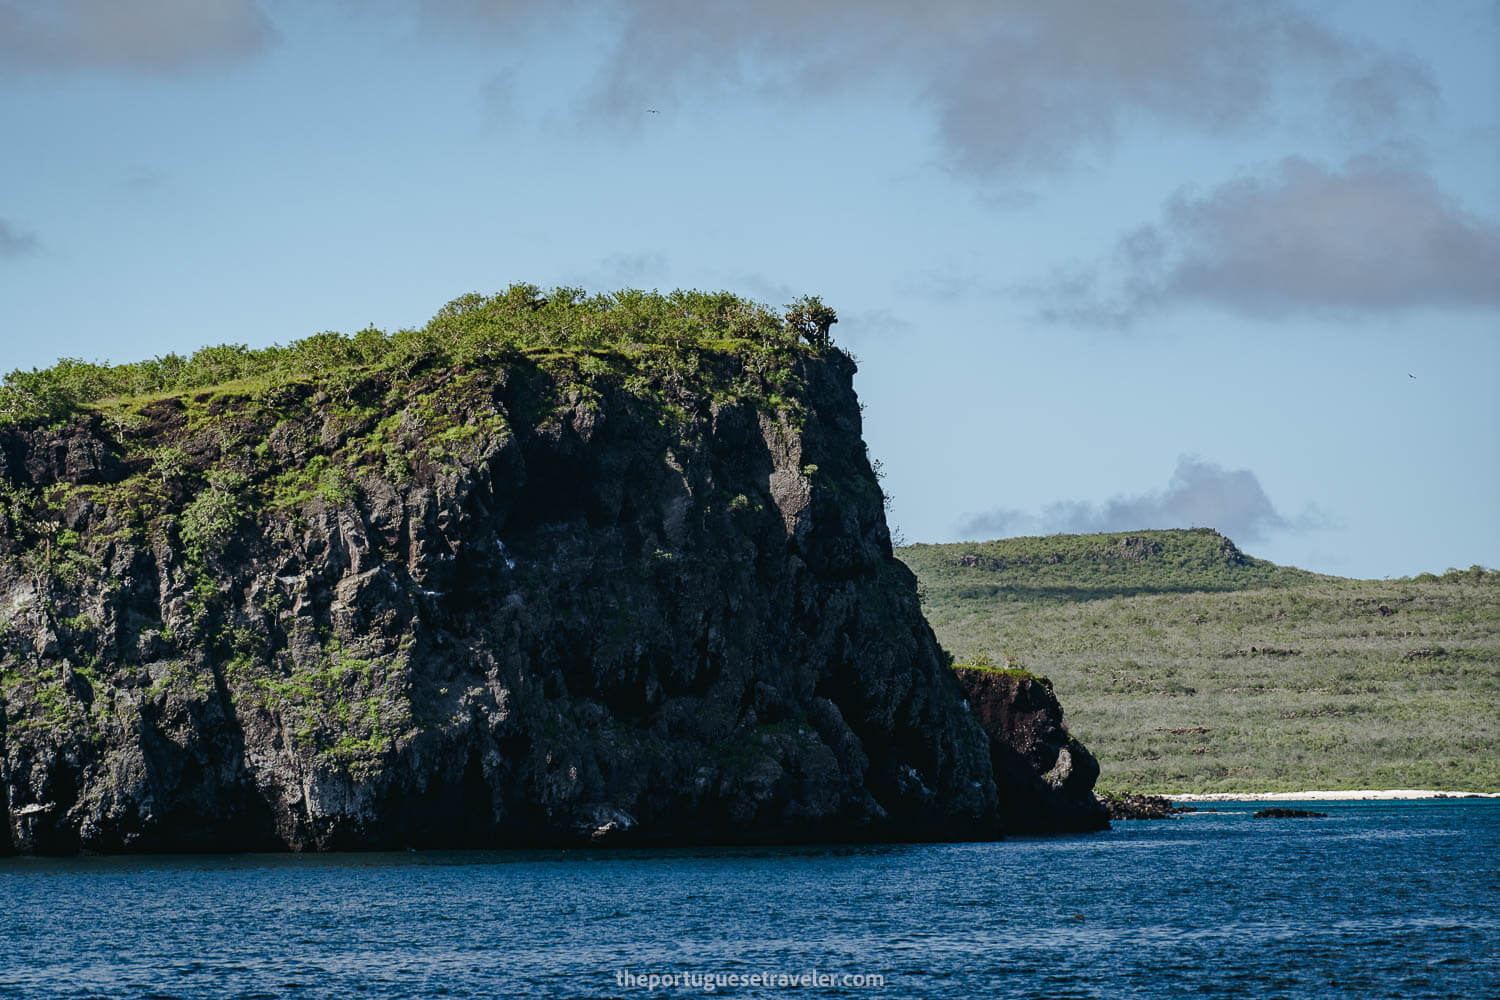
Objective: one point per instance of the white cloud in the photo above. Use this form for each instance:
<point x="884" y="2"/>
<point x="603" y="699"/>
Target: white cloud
<point x="1200" y="494"/>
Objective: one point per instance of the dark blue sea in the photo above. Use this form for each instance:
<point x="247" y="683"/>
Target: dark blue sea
<point x="1377" y="900"/>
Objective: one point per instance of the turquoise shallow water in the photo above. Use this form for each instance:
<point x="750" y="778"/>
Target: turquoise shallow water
<point x="1378" y="900"/>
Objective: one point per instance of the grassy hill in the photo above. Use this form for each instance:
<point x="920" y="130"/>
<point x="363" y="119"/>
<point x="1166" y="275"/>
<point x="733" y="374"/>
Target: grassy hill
<point x="1187" y="666"/>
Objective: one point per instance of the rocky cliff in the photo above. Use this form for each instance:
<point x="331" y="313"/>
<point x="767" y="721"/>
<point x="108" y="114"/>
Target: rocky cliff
<point x="549" y="596"/>
<point x="1048" y="774"/>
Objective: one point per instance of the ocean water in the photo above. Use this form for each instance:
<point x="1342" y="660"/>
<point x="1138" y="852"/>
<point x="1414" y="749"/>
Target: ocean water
<point x="1378" y="900"/>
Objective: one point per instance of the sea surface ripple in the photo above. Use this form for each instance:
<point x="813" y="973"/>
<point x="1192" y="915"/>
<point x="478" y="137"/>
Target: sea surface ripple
<point x="1380" y="899"/>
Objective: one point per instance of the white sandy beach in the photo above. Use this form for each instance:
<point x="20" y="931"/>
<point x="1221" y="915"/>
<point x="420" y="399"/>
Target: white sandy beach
<point x="1372" y="794"/>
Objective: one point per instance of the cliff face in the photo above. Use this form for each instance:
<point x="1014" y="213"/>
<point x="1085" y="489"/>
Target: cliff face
<point x="569" y="597"/>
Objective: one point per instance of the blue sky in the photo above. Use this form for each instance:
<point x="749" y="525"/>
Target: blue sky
<point x="1105" y="266"/>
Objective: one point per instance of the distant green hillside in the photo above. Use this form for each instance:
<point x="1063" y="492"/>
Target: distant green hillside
<point x="1186" y="665"/>
<point x="1089" y="567"/>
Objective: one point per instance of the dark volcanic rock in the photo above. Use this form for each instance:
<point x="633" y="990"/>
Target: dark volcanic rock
<point x="1131" y="806"/>
<point x="1277" y="812"/>
<point x="550" y="600"/>
<point x="78" y="453"/>
<point x="1052" y="774"/>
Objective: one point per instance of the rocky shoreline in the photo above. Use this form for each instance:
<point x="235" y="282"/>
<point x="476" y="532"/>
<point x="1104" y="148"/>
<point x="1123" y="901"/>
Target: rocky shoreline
<point x="1131" y="806"/>
<point x="1343" y="795"/>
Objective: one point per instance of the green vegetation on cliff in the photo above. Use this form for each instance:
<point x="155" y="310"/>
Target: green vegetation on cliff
<point x="562" y="571"/>
<point x="190" y="459"/>
<point x="1187" y="666"/>
<point x="471" y="329"/>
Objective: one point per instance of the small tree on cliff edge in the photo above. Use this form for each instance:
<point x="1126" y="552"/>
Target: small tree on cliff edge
<point x="811" y="319"/>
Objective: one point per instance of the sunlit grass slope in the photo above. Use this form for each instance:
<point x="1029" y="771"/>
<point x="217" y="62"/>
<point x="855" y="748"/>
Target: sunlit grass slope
<point x="1188" y="666"/>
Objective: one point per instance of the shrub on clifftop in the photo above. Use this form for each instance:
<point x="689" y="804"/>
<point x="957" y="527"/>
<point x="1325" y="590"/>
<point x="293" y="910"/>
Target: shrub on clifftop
<point x="469" y="329"/>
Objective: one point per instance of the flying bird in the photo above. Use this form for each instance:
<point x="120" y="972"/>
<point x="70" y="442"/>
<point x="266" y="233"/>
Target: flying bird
<point x="1410" y="375"/>
<point x="652" y="111"/>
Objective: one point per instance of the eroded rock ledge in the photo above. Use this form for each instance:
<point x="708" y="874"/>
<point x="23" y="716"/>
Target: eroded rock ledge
<point x="1050" y="774"/>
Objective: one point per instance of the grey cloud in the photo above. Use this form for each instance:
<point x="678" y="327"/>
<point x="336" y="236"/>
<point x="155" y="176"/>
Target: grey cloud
<point x="144" y="36"/>
<point x="15" y="242"/>
<point x="954" y="279"/>
<point x="870" y="326"/>
<point x="1389" y="87"/>
<point x="1045" y="82"/>
<point x="766" y="290"/>
<point x="499" y="98"/>
<point x="142" y="180"/>
<point x="504" y="15"/>
<point x="1014" y="85"/>
<point x="644" y="269"/>
<point x="1376" y="235"/>
<point x="635" y="269"/>
<point x="1199" y="494"/>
